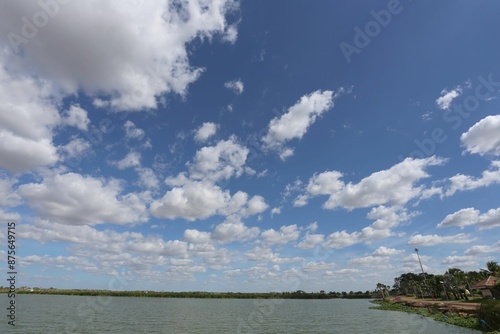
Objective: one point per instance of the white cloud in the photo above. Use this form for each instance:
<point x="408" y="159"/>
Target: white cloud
<point x="133" y="132"/>
<point x="286" y="153"/>
<point x="77" y="117"/>
<point x="385" y="251"/>
<point x="8" y="196"/>
<point x="483" y="137"/>
<point x="386" y="218"/>
<point x="294" y="124"/>
<point x="194" y="200"/>
<point x="482" y="249"/>
<point x="489" y="219"/>
<point x="8" y="216"/>
<point x="265" y="254"/>
<point x="255" y="205"/>
<point x="75" y="199"/>
<point x="235" y="85"/>
<point x="115" y="50"/>
<point x="275" y="211"/>
<point x="222" y="161"/>
<point x="411" y="263"/>
<point x="461" y="262"/>
<point x="461" y="182"/>
<point x="195" y="236"/>
<point x="370" y="261"/>
<point x="343" y="239"/>
<point x="461" y="218"/>
<point x="434" y="239"/>
<point x="325" y="183"/>
<point x="147" y="178"/>
<point x="228" y="232"/>
<point x="471" y="216"/>
<point x="310" y="267"/>
<point x="156" y="245"/>
<point x="28" y="115"/>
<point x="447" y="97"/>
<point x="132" y="159"/>
<point x="396" y="185"/>
<point x="76" y="148"/>
<point x="205" y="131"/>
<point x="283" y="236"/>
<point x="311" y="240"/>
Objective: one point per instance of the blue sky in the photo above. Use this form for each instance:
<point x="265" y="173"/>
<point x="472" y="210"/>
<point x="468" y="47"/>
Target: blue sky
<point x="248" y="145"/>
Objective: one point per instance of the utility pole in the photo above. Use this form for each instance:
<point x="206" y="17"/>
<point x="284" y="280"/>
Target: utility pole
<point x="421" y="267"/>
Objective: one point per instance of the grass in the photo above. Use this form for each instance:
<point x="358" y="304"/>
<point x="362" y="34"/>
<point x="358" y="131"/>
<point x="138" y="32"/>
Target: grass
<point x="452" y="319"/>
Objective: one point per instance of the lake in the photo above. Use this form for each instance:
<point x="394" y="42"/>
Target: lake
<point x="79" y="314"/>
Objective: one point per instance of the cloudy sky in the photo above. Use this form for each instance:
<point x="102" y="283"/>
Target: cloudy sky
<point x="228" y="145"/>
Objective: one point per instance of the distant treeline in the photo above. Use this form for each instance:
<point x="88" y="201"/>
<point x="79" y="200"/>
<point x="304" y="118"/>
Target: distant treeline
<point x="199" y="294"/>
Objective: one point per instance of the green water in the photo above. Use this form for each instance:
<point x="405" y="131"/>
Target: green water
<point x="75" y="314"/>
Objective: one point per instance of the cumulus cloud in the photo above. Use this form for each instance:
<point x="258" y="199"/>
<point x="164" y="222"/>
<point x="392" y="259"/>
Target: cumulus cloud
<point x="434" y="239"/>
<point x="462" y="262"/>
<point x="471" y="216"/>
<point x="8" y="196"/>
<point x="461" y="218"/>
<point x="77" y="117"/>
<point x="76" y="148"/>
<point x="195" y="236"/>
<point x="370" y="261"/>
<point x="482" y="249"/>
<point x="283" y="236"/>
<point x="264" y="254"/>
<point x="395" y="186"/>
<point x="461" y="182"/>
<point x="220" y="162"/>
<point x="75" y="199"/>
<point x="147" y="178"/>
<point x="311" y="240"/>
<point x="385" y="251"/>
<point x="483" y="137"/>
<point x="447" y="96"/>
<point x="196" y="195"/>
<point x="205" y="131"/>
<point x="115" y="50"/>
<point x="132" y="159"/>
<point x="295" y="123"/>
<point x="133" y="132"/>
<point x="386" y="218"/>
<point x="194" y="200"/>
<point x="28" y="116"/>
<point x="235" y="85"/>
<point x="229" y="231"/>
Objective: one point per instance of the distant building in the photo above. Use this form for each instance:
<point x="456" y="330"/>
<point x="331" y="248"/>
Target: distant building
<point x="485" y="286"/>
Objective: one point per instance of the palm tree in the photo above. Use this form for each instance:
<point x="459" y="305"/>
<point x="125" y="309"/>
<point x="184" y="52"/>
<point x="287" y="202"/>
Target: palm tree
<point x="493" y="268"/>
<point x="381" y="287"/>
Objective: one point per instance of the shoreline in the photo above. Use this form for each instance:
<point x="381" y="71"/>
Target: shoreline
<point x="451" y="312"/>
<point x="193" y="294"/>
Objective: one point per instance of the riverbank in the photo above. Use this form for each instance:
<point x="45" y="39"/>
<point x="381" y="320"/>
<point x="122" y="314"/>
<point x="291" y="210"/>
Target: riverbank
<point x="195" y="294"/>
<point x="452" y="312"/>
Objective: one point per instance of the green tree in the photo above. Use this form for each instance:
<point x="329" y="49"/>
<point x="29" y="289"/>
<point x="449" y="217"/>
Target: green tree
<point x="493" y="268"/>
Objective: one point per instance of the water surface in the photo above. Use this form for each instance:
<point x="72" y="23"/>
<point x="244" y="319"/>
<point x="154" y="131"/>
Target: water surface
<point x="77" y="314"/>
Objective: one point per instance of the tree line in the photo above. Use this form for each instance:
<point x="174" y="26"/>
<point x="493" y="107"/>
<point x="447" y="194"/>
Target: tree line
<point x="299" y="294"/>
<point x="453" y="284"/>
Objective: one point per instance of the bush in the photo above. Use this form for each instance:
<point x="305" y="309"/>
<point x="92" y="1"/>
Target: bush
<point x="489" y="311"/>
